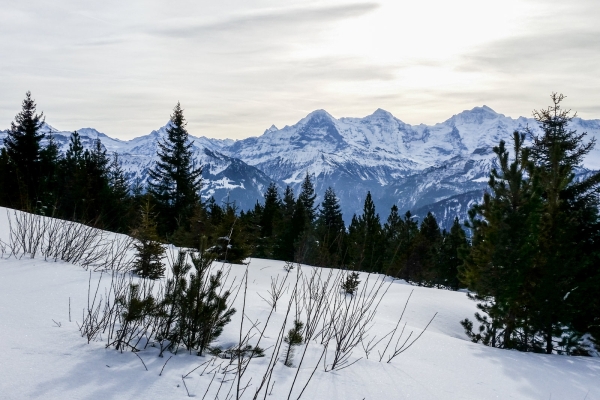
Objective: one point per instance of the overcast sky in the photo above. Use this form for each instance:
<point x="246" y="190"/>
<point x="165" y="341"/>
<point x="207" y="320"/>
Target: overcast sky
<point x="238" y="66"/>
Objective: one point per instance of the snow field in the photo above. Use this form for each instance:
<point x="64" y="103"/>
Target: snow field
<point x="41" y="359"/>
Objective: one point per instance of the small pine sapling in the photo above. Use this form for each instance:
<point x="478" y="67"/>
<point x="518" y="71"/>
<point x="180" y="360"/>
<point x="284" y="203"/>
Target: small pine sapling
<point x="150" y="252"/>
<point x="293" y="338"/>
<point x="288" y="266"/>
<point x="137" y="306"/>
<point x="350" y="284"/>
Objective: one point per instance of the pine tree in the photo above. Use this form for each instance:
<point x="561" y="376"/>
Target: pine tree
<point x="569" y="221"/>
<point x="119" y="201"/>
<point x="501" y="264"/>
<point x="175" y="178"/>
<point x="330" y="231"/>
<point x="50" y="159"/>
<point x="293" y="338"/>
<point x="23" y="149"/>
<point x="396" y="243"/>
<point x="97" y="186"/>
<point x="303" y="225"/>
<point x="269" y="217"/>
<point x="73" y="180"/>
<point x="205" y="311"/>
<point x="366" y="239"/>
<point x="421" y="264"/>
<point x="150" y="252"/>
<point x="285" y="233"/>
<point x="453" y="243"/>
<point x="307" y="197"/>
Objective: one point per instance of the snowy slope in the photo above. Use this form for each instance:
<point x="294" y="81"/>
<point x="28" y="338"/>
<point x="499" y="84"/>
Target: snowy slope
<point x="41" y="359"/>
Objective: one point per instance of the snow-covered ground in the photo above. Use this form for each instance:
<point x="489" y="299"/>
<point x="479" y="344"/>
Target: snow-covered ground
<point x="39" y="359"/>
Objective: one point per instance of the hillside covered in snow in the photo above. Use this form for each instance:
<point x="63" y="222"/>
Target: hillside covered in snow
<point x="45" y="301"/>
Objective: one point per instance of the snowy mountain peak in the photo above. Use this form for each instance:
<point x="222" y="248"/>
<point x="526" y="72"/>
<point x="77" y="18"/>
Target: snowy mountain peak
<point x="381" y="114"/>
<point x="273" y="128"/>
<point x="318" y="115"/>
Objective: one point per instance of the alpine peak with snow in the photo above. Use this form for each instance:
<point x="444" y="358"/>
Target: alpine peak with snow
<point x="442" y="168"/>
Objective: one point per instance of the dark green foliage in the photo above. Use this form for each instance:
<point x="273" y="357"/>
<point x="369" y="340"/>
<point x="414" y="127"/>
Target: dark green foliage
<point x="23" y="149"/>
<point x="365" y="237"/>
<point x="137" y="306"/>
<point x="330" y="232"/>
<point x="175" y="178"/>
<point x="204" y="310"/>
<point x="150" y="252"/>
<point x="170" y="312"/>
<point x="226" y="235"/>
<point x="307" y="198"/>
<point x="399" y="234"/>
<point x="268" y="216"/>
<point x="424" y="254"/>
<point x="534" y="245"/>
<point x="453" y="243"/>
<point x="293" y="338"/>
<point x="350" y="283"/>
<point x="287" y="229"/>
<point x="194" y="310"/>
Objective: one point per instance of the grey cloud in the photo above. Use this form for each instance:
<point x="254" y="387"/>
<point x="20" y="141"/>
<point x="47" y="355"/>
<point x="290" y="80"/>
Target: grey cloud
<point x="269" y="19"/>
<point x="538" y="52"/>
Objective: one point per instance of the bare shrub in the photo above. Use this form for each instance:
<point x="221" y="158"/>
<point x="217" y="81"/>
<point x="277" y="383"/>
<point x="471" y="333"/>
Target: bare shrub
<point x="56" y="239"/>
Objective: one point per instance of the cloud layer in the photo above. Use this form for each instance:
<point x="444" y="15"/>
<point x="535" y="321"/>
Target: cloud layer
<point x="239" y="66"/>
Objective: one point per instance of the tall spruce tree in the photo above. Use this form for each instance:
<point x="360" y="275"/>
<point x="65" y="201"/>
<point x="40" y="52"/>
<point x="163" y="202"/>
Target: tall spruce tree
<point x="399" y="234"/>
<point x="23" y="149"/>
<point x="453" y="243"/>
<point x="307" y="196"/>
<point x="568" y="224"/>
<point x="424" y="254"/>
<point x="285" y="232"/>
<point x="501" y="263"/>
<point x="268" y="216"/>
<point x="175" y="179"/>
<point x="365" y="239"/>
<point x="330" y="231"/>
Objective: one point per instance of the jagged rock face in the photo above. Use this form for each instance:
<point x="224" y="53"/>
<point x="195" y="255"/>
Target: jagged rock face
<point x="443" y="167"/>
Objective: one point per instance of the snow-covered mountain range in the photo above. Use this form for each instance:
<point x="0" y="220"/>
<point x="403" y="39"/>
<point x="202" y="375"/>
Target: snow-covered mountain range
<point x="442" y="167"/>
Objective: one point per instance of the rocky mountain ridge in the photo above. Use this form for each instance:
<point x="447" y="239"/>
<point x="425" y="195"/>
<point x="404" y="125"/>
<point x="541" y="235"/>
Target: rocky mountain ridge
<point x="413" y="166"/>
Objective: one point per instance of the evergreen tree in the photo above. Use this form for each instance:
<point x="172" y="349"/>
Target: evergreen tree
<point x="231" y="241"/>
<point x="269" y="217"/>
<point x="149" y="251"/>
<point x="285" y="233"/>
<point x="397" y="242"/>
<point x="50" y="159"/>
<point x="500" y="266"/>
<point x="366" y="244"/>
<point x="23" y="149"/>
<point x="72" y="179"/>
<point x="424" y="255"/>
<point x="568" y="224"/>
<point x="204" y="311"/>
<point x="330" y="231"/>
<point x="119" y="202"/>
<point x="97" y="186"/>
<point x="303" y="225"/>
<point x="453" y="243"/>
<point x="307" y="197"/>
<point x="293" y="338"/>
<point x="175" y="178"/>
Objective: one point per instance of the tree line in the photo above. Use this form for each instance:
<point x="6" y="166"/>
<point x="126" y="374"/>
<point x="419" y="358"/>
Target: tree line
<point x="531" y="259"/>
